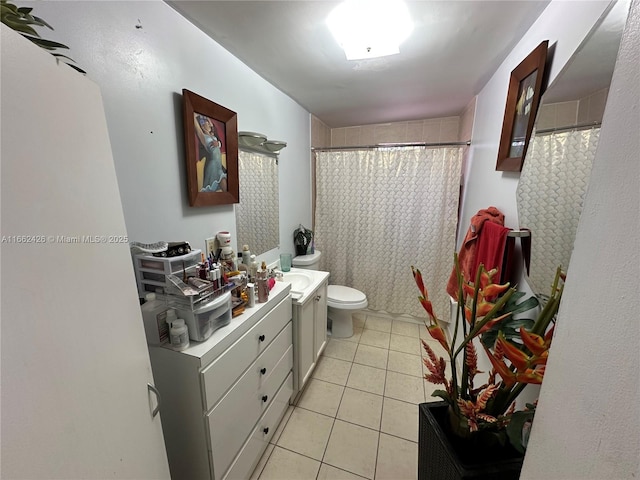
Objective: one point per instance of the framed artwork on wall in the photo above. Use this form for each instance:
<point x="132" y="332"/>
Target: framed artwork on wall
<point x="523" y="97"/>
<point x="211" y="143"/>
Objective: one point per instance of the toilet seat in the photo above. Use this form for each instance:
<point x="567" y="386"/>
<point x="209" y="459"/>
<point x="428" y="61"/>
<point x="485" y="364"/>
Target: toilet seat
<point x="346" y="298"/>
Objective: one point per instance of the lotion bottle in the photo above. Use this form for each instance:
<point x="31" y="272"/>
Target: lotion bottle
<point x="155" y="325"/>
<point x="246" y="255"/>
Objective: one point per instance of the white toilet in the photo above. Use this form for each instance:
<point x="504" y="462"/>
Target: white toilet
<point x="341" y="301"/>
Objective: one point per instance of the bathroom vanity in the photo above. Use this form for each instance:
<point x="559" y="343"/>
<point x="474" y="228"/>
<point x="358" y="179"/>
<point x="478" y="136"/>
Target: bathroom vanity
<point x="222" y="399"/>
<point x="309" y="321"/>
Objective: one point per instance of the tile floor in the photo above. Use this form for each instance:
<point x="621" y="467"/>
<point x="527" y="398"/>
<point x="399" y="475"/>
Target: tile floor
<point x="358" y="415"/>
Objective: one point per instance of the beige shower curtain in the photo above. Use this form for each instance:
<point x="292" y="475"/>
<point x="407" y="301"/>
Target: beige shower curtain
<point x="379" y="211"/>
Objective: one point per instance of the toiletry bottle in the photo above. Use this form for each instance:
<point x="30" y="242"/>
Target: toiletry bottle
<point x="251" y="294"/>
<point x="153" y="316"/>
<point x="253" y="269"/>
<point x="246" y="255"/>
<point x="179" y="334"/>
<point x="263" y="286"/>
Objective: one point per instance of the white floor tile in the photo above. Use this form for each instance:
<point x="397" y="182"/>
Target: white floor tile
<point x="366" y="378"/>
<point x="352" y="448"/>
<point x="327" y="472"/>
<point x="400" y="419"/>
<point x="332" y="370"/>
<point x="358" y="320"/>
<point x="401" y="343"/>
<point x="283" y="423"/>
<point x="378" y="323"/>
<point x="404" y="387"/>
<point x="372" y="356"/>
<point x="286" y="465"/>
<point x="361" y="408"/>
<point x="375" y="338"/>
<point x="340" y="349"/>
<point x="357" y="332"/>
<point x="397" y="459"/>
<point x="297" y="435"/>
<point x="405" y="363"/>
<point x="321" y="397"/>
<point x="405" y="328"/>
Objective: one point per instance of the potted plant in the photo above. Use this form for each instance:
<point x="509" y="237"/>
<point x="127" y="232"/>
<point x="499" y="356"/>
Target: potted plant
<point x="476" y="432"/>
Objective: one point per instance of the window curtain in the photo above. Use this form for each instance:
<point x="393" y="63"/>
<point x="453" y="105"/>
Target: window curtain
<point x="380" y="211"/>
<point x="550" y="194"/>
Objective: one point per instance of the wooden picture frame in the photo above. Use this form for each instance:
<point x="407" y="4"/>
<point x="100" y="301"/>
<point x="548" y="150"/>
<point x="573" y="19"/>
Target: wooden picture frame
<point x="523" y="97"/>
<point x="211" y="143"/>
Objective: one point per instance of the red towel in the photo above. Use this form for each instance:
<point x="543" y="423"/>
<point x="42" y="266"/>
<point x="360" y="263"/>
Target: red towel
<point x="491" y="248"/>
<point x="467" y="254"/>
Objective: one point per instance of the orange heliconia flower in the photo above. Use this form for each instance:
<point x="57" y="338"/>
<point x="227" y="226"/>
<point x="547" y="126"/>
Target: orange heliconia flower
<point x="438" y="334"/>
<point x="517" y="357"/>
<point x="533" y="342"/>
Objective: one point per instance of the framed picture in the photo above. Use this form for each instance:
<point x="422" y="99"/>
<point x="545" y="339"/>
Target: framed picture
<point x="211" y="140"/>
<point x="523" y="97"/>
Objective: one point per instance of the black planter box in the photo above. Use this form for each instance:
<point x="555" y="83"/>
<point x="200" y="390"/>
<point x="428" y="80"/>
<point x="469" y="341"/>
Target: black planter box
<point x="442" y="457"/>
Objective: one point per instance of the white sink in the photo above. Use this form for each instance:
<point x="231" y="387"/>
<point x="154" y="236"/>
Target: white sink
<point x="299" y="281"/>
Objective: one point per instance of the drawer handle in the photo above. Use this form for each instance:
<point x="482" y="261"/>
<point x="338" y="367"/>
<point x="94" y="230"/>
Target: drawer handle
<point x="265" y="398"/>
<point x="261" y="338"/>
<point x="265" y="430"/>
<point x="318" y="297"/>
<point x="263" y="370"/>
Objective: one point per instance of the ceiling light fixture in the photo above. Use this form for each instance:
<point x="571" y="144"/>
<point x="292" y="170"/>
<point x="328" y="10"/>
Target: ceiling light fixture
<point x="370" y="28"/>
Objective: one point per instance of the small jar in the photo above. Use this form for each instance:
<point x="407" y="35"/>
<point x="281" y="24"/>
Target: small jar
<point x="179" y="334"/>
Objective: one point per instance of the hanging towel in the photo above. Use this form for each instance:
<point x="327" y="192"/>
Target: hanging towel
<point x="491" y="249"/>
<point x="467" y="254"/>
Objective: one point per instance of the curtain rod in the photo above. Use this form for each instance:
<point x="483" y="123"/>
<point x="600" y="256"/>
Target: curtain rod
<point x="570" y="127"/>
<point x="391" y="145"/>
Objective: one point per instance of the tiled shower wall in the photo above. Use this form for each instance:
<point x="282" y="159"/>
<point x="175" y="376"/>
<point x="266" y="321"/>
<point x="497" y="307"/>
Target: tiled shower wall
<point x="433" y="130"/>
<point x="577" y="112"/>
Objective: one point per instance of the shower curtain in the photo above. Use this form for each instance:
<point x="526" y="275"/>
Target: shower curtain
<point x="380" y="211"/>
<point x="550" y="195"/>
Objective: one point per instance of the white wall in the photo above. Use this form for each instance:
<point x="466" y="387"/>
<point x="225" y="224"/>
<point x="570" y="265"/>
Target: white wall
<point x="588" y="424"/>
<point x="485" y="186"/>
<point x="142" y="54"/>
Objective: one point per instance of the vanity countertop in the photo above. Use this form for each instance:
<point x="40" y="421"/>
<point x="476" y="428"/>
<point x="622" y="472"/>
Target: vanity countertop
<point x="224" y="337"/>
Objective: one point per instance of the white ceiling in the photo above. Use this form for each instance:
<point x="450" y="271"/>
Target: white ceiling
<point x="452" y="52"/>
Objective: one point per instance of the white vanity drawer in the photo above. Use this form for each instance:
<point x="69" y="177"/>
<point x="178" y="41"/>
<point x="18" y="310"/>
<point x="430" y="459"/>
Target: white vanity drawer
<point x="250" y="454"/>
<point x="230" y="365"/>
<point x="232" y="420"/>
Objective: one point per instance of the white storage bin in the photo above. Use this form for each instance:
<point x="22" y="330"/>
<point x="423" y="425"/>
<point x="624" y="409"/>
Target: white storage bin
<point x="151" y="271"/>
<point x="167" y="265"/>
<point x="206" y="319"/>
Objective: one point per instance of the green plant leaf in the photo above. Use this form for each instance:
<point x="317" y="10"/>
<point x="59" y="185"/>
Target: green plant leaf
<point x="515" y="429"/>
<point x="46" y="44"/>
<point x="18" y="24"/>
<point x="442" y="394"/>
<point x="78" y="69"/>
<point x="510" y="328"/>
<point x="42" y="23"/>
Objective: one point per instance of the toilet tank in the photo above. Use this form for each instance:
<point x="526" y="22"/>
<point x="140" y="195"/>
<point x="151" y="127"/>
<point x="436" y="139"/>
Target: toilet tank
<point x="308" y="262"/>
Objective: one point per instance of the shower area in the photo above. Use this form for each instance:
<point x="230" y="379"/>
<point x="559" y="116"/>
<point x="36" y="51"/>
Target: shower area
<point x="379" y="210"/>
